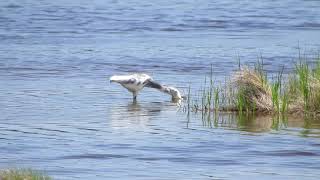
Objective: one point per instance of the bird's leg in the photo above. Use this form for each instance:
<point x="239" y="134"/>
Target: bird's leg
<point x="134" y="96"/>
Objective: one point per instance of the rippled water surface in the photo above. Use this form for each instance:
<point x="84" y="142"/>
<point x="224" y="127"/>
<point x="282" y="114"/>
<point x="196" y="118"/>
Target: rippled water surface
<point x="60" y="114"/>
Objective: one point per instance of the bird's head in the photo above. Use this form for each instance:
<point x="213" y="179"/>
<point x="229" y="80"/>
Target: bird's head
<point x="174" y="92"/>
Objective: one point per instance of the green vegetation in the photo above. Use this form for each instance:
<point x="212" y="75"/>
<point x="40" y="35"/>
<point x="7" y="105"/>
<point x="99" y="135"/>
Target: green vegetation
<point x="251" y="90"/>
<point x="22" y="174"/>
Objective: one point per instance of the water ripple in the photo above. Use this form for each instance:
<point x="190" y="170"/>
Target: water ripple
<point x="93" y="156"/>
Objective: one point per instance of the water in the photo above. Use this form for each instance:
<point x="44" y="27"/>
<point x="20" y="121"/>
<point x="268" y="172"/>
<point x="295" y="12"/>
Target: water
<point x="60" y="114"/>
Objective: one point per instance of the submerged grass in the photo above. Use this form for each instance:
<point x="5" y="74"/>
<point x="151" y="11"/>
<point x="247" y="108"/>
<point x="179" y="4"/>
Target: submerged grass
<point x="22" y="174"/>
<point x="250" y="91"/>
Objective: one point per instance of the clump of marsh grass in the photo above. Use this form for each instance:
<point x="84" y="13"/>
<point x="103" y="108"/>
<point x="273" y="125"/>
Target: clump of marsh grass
<point x="22" y="174"/>
<point x="250" y="90"/>
<point x="298" y="95"/>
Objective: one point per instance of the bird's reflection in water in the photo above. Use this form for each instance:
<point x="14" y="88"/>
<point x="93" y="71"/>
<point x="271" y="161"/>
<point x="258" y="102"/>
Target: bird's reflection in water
<point x="137" y="114"/>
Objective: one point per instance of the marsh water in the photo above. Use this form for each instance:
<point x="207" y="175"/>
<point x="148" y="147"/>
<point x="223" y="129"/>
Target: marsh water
<point x="60" y="114"/>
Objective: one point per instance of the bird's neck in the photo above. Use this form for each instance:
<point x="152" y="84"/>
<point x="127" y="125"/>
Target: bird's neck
<point x="165" y="89"/>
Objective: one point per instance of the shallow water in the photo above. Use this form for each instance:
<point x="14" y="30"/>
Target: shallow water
<point x="60" y="114"/>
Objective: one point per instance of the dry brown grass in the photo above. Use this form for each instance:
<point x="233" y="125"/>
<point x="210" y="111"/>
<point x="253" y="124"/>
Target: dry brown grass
<point x="252" y="86"/>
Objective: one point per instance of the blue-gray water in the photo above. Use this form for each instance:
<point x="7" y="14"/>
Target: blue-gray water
<point x="60" y="114"/>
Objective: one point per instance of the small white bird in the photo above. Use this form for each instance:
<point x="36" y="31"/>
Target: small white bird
<point x="136" y="82"/>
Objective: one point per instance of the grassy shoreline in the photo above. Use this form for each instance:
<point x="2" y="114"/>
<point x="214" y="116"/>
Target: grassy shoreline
<point x="251" y="90"/>
<point x="22" y="174"/>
